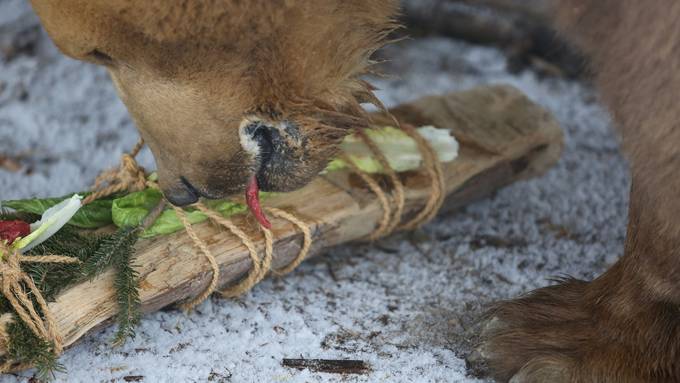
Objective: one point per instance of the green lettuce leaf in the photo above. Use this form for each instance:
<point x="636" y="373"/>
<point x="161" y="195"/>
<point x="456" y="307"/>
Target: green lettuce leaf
<point x="91" y="216"/>
<point x="130" y="211"/>
<point x="168" y="223"/>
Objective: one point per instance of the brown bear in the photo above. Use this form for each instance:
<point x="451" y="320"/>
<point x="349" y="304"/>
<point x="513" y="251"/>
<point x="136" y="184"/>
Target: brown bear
<point x="230" y="91"/>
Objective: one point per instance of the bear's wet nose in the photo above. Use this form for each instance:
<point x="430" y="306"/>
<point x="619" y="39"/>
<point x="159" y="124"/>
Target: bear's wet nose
<point x="277" y="150"/>
<point x="269" y="142"/>
<point x="261" y="140"/>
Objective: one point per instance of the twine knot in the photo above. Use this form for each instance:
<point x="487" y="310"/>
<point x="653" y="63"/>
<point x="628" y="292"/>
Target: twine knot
<point x="128" y="177"/>
<point x="17" y="286"/>
<point x="131" y="174"/>
<point x="10" y="268"/>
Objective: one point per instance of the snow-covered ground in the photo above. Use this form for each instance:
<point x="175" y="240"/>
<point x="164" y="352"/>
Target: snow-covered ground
<point x="406" y="305"/>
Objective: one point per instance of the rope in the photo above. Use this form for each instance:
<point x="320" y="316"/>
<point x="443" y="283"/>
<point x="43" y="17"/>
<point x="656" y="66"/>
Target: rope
<point x="389" y="222"/>
<point x="132" y="177"/>
<point x="252" y="277"/>
<point x="399" y="194"/>
<point x="306" y="238"/>
<point x="385" y="221"/>
<point x="16" y="286"/>
<point x="208" y="255"/>
<point x="260" y="267"/>
<point x="434" y="170"/>
<point x="129" y="176"/>
<point x="268" y="252"/>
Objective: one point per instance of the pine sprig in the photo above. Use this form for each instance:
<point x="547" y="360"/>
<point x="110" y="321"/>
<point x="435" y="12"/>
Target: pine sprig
<point x="26" y="347"/>
<point x="127" y="291"/>
<point x="118" y="251"/>
<point x="52" y="278"/>
<point x="97" y="253"/>
<point x="109" y="250"/>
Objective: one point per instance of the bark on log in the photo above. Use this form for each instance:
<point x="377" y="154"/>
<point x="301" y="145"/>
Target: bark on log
<point x="504" y="138"/>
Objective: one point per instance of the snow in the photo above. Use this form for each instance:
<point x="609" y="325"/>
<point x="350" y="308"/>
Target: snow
<point x="406" y="304"/>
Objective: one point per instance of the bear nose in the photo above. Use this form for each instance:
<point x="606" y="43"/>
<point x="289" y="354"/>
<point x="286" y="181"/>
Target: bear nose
<point x="266" y="141"/>
<point x="261" y="140"/>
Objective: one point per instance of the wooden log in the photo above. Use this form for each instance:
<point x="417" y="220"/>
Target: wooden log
<point x="504" y="137"/>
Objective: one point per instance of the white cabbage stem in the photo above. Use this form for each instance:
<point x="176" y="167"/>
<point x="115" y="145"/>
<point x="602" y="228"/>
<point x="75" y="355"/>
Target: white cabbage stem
<point x="399" y="148"/>
<point x="51" y="221"/>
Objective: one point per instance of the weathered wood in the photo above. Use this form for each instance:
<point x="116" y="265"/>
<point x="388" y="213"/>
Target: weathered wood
<point x="504" y="137"/>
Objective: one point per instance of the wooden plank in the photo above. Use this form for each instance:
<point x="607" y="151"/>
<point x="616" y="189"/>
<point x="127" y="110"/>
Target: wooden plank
<point x="504" y="137"/>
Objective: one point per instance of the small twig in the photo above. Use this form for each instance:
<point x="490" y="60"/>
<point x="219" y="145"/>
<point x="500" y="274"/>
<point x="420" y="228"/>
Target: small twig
<point x="154" y="214"/>
<point x="331" y="366"/>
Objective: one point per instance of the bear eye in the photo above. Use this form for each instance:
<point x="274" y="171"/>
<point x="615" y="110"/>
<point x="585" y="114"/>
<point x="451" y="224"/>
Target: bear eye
<point x="101" y="57"/>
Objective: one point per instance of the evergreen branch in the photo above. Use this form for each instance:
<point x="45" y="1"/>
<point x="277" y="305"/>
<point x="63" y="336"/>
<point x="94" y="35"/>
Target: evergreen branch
<point x="118" y="250"/>
<point x="109" y="250"/>
<point x="127" y="283"/>
<point x="96" y="253"/>
<point x="127" y="295"/>
<point x="52" y="278"/>
<point x="24" y="346"/>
